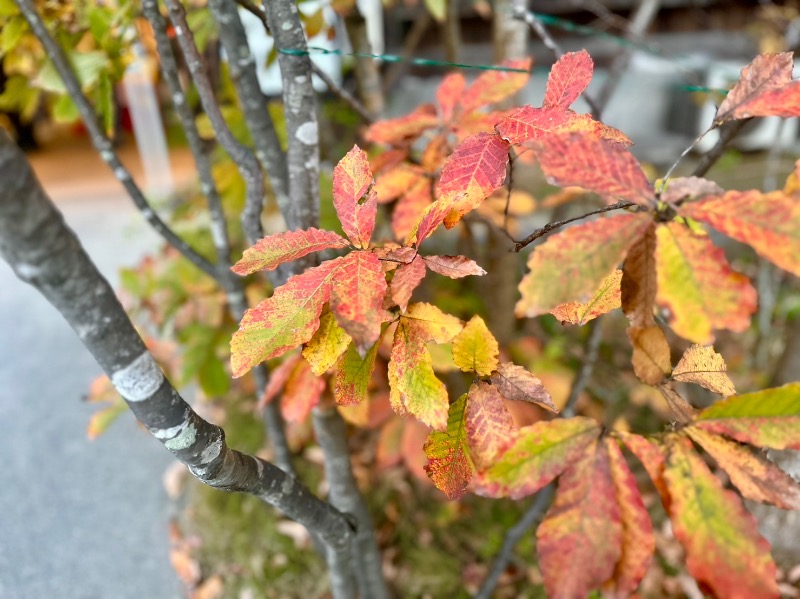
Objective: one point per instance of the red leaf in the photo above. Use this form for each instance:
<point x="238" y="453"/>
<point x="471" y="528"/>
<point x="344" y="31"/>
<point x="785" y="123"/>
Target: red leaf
<point x="277" y="379"/>
<point x="568" y="78"/>
<point x="406" y="279"/>
<point x="493" y="86"/>
<point x="527" y="123"/>
<point x="651" y="457"/>
<point x="490" y="428"/>
<point x="410" y="207"/>
<point x="274" y="250"/>
<point x="404" y="128"/>
<point x="301" y="393"/>
<point x="357" y="296"/>
<point x="580" y="539"/>
<point x="595" y="164"/>
<point x="449" y="94"/>
<point x="396" y="181"/>
<point x="449" y="464"/>
<point x="766" y="75"/>
<point x="475" y="169"/>
<point x="352" y="178"/>
<point x="454" y="267"/>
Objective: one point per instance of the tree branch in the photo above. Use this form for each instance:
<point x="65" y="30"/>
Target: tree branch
<point x="367" y="70"/>
<point x="344" y="95"/>
<point x="100" y="140"/>
<point x="541" y="232"/>
<point x="45" y="253"/>
<point x="726" y="135"/>
<point x="587" y="367"/>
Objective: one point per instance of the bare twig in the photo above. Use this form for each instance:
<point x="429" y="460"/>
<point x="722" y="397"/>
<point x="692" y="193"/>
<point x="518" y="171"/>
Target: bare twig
<point x="541" y="232"/>
<point x="343" y="95"/>
<point x="683" y="155"/>
<point x="367" y="70"/>
<point x="412" y="40"/>
<point x="726" y="135"/>
<point x="100" y="140"/>
<point x="587" y="367"/>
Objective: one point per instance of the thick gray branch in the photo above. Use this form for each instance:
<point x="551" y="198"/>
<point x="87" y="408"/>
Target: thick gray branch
<point x="45" y="253"/>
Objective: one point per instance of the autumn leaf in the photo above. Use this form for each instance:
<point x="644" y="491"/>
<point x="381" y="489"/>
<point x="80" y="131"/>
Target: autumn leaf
<point x="580" y="539"/>
<point x="448" y="95"/>
<point x="301" y="393"/>
<point x="494" y="86"/>
<point x="698" y="285"/>
<point x="352" y="179"/>
<point x="284" y="321"/>
<point x="723" y="547"/>
<point x="433" y="324"/>
<point x="395" y="182"/>
<point x="406" y="279"/>
<point x="472" y="172"/>
<point x="606" y="298"/>
<point x="572" y="264"/>
<point x="274" y="250"/>
<point x="455" y="267"/>
<point x="639" y="285"/>
<point x="682" y="188"/>
<point x="540" y="453"/>
<point x="638" y="542"/>
<point x="593" y="163"/>
<point x="450" y="466"/>
<point x="528" y="123"/>
<point x="518" y="384"/>
<point x="751" y="96"/>
<point x="357" y="296"/>
<point x="651" y="456"/>
<point x="703" y="366"/>
<point x="768" y="222"/>
<point x="490" y="428"/>
<point x="768" y="418"/>
<point x="568" y="79"/>
<point x="409" y="209"/>
<point x="682" y="410"/>
<point x="651" y="356"/>
<point x="753" y="474"/>
<point x="328" y="343"/>
<point x="277" y="379"/>
<point x="353" y="374"/>
<point x="475" y="349"/>
<point x="404" y="128"/>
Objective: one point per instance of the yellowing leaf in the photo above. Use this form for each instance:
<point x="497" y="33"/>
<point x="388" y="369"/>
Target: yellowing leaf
<point x="454" y="267"/>
<point x="723" y="547"/>
<point x="703" y="366"/>
<point x="638" y="542"/>
<point x="355" y="204"/>
<point x="651" y="359"/>
<point x="769" y="418"/>
<point x="353" y="374"/>
<point x="768" y="222"/>
<point x="579" y="541"/>
<point x="475" y="349"/>
<point x="490" y="428"/>
<point x="494" y="86"/>
<point x="274" y="250"/>
<point x="638" y="287"/>
<point x="698" y="286"/>
<point x="516" y="383"/>
<point x="606" y="298"/>
<point x="431" y="323"/>
<point x="571" y="265"/>
<point x="407" y="278"/>
<point x="568" y="79"/>
<point x="754" y="475"/>
<point x="284" y="321"/>
<point x="396" y="181"/>
<point x="449" y="463"/>
<point x="328" y="343"/>
<point x="540" y="453"/>
<point x="357" y="296"/>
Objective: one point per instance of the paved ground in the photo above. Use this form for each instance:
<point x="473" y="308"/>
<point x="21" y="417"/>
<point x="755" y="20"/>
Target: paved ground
<point x="78" y="519"/>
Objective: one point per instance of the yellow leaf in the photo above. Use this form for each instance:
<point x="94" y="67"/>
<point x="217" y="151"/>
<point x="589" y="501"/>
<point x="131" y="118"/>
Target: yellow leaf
<point x="475" y="349"/>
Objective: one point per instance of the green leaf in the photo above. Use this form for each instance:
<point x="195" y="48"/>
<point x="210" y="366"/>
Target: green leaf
<point x="214" y="381"/>
<point x="11" y="33"/>
<point x="65" y="111"/>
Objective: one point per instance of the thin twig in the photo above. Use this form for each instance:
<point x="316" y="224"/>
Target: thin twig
<point x="100" y="140"/>
<point x="343" y="94"/>
<point x="587" y="367"/>
<point x="726" y="135"/>
<point x="533" y="514"/>
<point x="541" y="232"/>
<point x="691" y="147"/>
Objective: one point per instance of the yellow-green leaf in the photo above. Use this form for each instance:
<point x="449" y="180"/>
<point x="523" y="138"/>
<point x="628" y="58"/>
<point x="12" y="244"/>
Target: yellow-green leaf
<point x="328" y="343"/>
<point x="605" y="299"/>
<point x="475" y="349"/>
<point x="449" y="463"/>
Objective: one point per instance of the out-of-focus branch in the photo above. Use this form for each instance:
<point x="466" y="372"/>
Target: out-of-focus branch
<point x="343" y="95"/>
<point x="368" y="73"/>
<point x="100" y="140"/>
<point x="726" y="135"/>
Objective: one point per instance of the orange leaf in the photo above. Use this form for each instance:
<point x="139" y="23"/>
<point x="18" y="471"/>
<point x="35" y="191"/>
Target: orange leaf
<point x="703" y="366"/>
<point x="568" y="79"/>
<point x="284" y="321"/>
<point x="301" y="393"/>
<point x="605" y="299"/>
<point x="580" y="539"/>
<point x="404" y="128"/>
<point x="638" y="542"/>
<point x="407" y="278"/>
<point x="698" y="286"/>
<point x="490" y="428"/>
<point x="449" y="464"/>
<point x="527" y="123"/>
<point x="454" y="267"/>
<point x="768" y="222"/>
<point x="474" y="170"/>
<point x="639" y="286"/>
<point x="768" y="418"/>
<point x="723" y="547"/>
<point x="518" y="384"/>
<point x="357" y="296"/>
<point x="395" y="182"/>
<point x="572" y="264"/>
<point x="651" y="359"/>
<point x="594" y="163"/>
<point x="494" y="86"/>
<point x="352" y="179"/>
<point x="540" y="453"/>
<point x="410" y="207"/>
<point x="767" y="74"/>
<point x="448" y="95"/>
<point x="277" y="379"/>
<point x="754" y="475"/>
<point x="274" y="250"/>
<point x="650" y="454"/>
